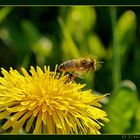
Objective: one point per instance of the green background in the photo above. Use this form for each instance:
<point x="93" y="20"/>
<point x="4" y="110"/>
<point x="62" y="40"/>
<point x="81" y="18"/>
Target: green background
<point x="51" y="35"/>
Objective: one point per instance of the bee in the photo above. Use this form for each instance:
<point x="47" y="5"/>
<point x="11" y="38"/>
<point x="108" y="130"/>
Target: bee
<point x="79" y="66"/>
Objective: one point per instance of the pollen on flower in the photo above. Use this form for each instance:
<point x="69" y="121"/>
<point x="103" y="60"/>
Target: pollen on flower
<point x="46" y="102"/>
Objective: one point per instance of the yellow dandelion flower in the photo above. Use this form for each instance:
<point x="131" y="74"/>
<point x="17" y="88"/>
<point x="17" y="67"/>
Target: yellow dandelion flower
<point x="48" y="103"/>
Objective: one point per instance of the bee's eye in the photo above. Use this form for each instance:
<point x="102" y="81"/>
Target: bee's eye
<point x="60" y="67"/>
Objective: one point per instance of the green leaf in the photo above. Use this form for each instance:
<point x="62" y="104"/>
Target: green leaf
<point x="121" y="108"/>
<point x="41" y="46"/>
<point x="17" y="46"/>
<point x="30" y="31"/>
<point x="81" y="19"/>
<point x="137" y="120"/>
<point x="125" y="33"/>
<point x="68" y="43"/>
<point x="4" y="12"/>
<point x="80" y="24"/>
<point x="126" y="27"/>
<point x="13" y="38"/>
<point x="96" y="47"/>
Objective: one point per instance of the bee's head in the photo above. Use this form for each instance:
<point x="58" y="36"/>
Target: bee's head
<point x="60" y="68"/>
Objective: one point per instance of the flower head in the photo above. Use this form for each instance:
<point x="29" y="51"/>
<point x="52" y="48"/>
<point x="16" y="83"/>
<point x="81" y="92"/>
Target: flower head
<point x="48" y="103"/>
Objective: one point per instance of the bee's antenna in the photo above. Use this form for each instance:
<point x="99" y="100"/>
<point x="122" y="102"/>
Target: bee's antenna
<point x="100" y="62"/>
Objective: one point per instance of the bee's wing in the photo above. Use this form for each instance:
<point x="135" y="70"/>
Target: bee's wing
<point x="88" y="55"/>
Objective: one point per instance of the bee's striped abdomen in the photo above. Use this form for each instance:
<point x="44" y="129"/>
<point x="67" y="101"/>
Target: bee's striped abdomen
<point x="70" y="65"/>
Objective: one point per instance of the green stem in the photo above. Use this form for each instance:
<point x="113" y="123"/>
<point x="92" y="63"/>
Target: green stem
<point x="116" y="71"/>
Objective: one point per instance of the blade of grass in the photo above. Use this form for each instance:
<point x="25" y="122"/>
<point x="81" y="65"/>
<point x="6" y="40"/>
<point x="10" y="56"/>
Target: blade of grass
<point x="116" y="71"/>
<point x="4" y="12"/>
<point x="67" y="37"/>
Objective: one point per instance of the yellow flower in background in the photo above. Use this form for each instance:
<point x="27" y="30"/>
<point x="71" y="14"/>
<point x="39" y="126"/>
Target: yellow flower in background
<point x="48" y="103"/>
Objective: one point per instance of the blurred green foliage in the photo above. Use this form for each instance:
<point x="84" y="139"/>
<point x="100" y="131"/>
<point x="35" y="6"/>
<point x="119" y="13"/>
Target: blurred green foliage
<point x="122" y="108"/>
<point x="50" y="35"/>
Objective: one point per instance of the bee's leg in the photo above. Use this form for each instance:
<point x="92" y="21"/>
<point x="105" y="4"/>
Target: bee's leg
<point x="87" y="69"/>
<point x="73" y="76"/>
<point x="94" y="68"/>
